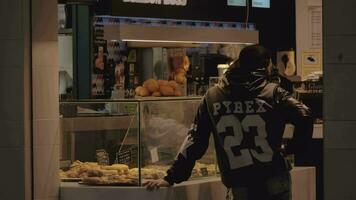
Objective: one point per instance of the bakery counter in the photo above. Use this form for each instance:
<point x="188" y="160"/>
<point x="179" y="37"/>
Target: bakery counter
<point x="317" y="131"/>
<point x="313" y="155"/>
<point x="303" y="186"/>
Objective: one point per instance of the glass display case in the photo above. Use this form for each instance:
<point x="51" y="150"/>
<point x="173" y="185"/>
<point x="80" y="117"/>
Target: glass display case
<point x="124" y="142"/>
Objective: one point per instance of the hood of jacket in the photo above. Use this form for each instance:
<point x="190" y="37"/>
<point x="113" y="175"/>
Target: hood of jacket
<point x="237" y="82"/>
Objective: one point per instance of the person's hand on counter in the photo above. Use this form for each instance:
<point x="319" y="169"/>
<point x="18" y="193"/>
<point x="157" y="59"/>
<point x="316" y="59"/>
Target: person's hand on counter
<point x="155" y="184"/>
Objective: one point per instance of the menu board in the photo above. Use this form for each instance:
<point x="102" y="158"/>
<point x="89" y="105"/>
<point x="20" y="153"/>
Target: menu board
<point x="261" y="3"/>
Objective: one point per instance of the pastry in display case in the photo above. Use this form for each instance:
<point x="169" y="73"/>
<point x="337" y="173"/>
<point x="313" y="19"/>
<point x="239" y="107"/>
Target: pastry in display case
<point x="125" y="142"/>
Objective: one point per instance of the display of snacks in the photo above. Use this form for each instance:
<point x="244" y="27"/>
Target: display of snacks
<point x="80" y="169"/>
<point x="149" y="130"/>
<point x="92" y="173"/>
<point x="201" y="169"/>
<point x="148" y="173"/>
<point x="120" y="174"/>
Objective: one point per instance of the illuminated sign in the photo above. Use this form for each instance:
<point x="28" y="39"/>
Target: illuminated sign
<point x="261" y="3"/>
<point x="236" y="2"/>
<point x="159" y="2"/>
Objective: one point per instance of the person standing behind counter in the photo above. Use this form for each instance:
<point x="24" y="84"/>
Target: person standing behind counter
<point x="246" y="115"/>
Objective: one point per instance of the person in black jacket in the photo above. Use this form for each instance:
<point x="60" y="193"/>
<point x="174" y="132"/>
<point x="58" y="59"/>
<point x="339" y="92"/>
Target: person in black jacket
<point x="246" y="114"/>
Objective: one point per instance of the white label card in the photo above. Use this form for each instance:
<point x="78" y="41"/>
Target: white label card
<point x="154" y="155"/>
<point x="261" y="3"/>
<point x="236" y="2"/>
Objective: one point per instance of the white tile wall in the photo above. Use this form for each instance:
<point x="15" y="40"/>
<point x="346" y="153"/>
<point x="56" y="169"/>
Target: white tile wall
<point x="28" y="174"/>
<point x="11" y="134"/>
<point x="339" y="17"/>
<point x="46" y="165"/>
<point x="339" y="99"/>
<point x="340" y="134"/>
<point x="12" y="53"/>
<point x="340" y="95"/>
<point x="11" y="19"/>
<point x="14" y="150"/>
<point x="45" y="93"/>
<point x="46" y="132"/>
<point x="12" y="169"/>
<point x="340" y="49"/>
<point x="339" y="171"/>
<point x="11" y="91"/>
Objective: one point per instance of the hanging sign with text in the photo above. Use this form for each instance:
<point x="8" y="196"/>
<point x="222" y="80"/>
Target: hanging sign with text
<point x="159" y="2"/>
<point x="212" y="10"/>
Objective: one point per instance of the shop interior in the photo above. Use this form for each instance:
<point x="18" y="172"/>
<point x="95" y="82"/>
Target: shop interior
<point x="130" y="82"/>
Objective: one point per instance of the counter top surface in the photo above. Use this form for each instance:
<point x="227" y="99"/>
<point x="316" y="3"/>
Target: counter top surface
<point x="303" y="183"/>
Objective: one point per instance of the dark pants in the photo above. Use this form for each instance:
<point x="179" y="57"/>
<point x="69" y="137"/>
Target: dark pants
<point x="274" y="188"/>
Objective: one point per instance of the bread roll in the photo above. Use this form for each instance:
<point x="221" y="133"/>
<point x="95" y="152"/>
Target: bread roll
<point x="162" y="82"/>
<point x="151" y="85"/>
<point x="180" y="78"/>
<point x="166" y="91"/>
<point x="94" y="173"/>
<point x="177" y="93"/>
<point x="93" y="180"/>
<point x="109" y="172"/>
<point x="173" y="84"/>
<point x="71" y="174"/>
<point x="144" y="92"/>
<point x="138" y="90"/>
<point x="76" y="163"/>
<point x="156" y="94"/>
<point x="116" y="167"/>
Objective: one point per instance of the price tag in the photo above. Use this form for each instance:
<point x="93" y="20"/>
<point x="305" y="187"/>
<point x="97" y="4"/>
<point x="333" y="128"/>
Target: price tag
<point x="154" y="155"/>
<point x="102" y="157"/>
<point x="204" y="171"/>
<point x="128" y="156"/>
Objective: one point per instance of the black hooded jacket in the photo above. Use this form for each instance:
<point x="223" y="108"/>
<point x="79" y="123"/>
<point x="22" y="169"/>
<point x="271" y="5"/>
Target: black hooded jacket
<point x="246" y="115"/>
